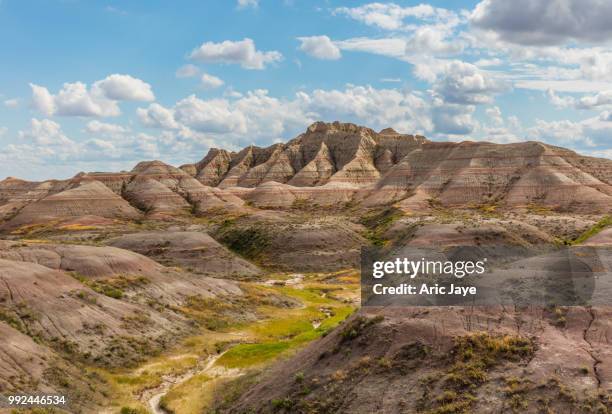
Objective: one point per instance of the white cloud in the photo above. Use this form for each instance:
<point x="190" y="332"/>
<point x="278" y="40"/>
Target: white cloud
<point x="378" y="108"/>
<point x="605" y="116"/>
<point x="489" y="62"/>
<point x="255" y="115"/>
<point x="592" y="134"/>
<point x="42" y="100"/>
<point x="603" y="98"/>
<point x="210" y="81"/>
<point x="433" y="40"/>
<point x="497" y="129"/>
<point x="45" y="132"/>
<point x="560" y="101"/>
<point x="214" y="116"/>
<point x="545" y="22"/>
<point x="187" y="71"/>
<point x="495" y="114"/>
<point x="562" y="85"/>
<point x="3" y="131"/>
<point x="125" y="88"/>
<point x="242" y="52"/>
<point x="597" y="65"/>
<point x="453" y="119"/>
<point x="388" y="16"/>
<point x="157" y="116"/>
<point x="75" y="99"/>
<point x="11" y="103"/>
<point x="320" y="47"/>
<point x="268" y="117"/>
<point x="500" y="135"/>
<point x="563" y="132"/>
<point x="97" y="127"/>
<point x="464" y="83"/>
<point x="243" y="4"/>
<point x="391" y="47"/>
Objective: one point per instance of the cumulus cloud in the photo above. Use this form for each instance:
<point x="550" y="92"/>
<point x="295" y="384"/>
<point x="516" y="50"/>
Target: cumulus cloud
<point x="559" y="101"/>
<point x="495" y="115"/>
<point x="452" y="119"/>
<point x="256" y="115"/>
<point x="75" y="99"/>
<point x="320" y="47"/>
<point x="215" y="116"/>
<point x="125" y="88"/>
<point x="3" y="131"/>
<point x="113" y="148"/>
<point x="603" y="98"/>
<point x="605" y="116"/>
<point x="545" y="22"/>
<point x="97" y="127"/>
<point x="187" y="71"/>
<point x="464" y="83"/>
<point x="390" y="16"/>
<point x="433" y="40"/>
<point x="157" y="116"/>
<point x="378" y="108"/>
<point x="590" y="135"/>
<point x="44" y="132"/>
<point x="563" y="132"/>
<point x="241" y="52"/>
<point x="42" y="100"/>
<point x="211" y="82"/>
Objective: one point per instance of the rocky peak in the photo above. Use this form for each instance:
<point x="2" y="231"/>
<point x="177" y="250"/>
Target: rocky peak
<point x="155" y="167"/>
<point x="338" y="127"/>
<point x="388" y="131"/>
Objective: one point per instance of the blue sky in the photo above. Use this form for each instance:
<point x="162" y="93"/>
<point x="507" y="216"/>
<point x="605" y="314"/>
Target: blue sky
<point x="98" y="85"/>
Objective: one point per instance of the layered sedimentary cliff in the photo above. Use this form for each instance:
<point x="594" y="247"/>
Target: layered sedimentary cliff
<point x="329" y="164"/>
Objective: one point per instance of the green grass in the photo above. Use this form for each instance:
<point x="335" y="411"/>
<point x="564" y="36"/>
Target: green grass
<point x="268" y="327"/>
<point x="245" y="355"/>
<point x="306" y="295"/>
<point x="281" y="335"/>
<point x="340" y="314"/>
<point x="287" y="329"/>
<point x="282" y="328"/>
<point x="598" y="227"/>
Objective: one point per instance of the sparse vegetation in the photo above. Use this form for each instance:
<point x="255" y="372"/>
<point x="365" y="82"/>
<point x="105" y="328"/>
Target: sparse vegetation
<point x="592" y="231"/>
<point x="472" y="357"/>
<point x="112" y="287"/>
<point x="249" y="242"/>
<point x="378" y="222"/>
<point x="357" y="326"/>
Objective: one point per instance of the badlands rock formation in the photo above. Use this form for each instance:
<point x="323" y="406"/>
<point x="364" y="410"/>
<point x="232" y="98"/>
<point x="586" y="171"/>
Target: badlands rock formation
<point x="328" y="165"/>
<point x="190" y="249"/>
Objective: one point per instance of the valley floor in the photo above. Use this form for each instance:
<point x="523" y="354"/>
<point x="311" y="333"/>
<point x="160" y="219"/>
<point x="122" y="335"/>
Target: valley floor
<point x="190" y="378"/>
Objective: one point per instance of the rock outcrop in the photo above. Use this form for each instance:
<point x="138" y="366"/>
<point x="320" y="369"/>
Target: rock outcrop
<point x="89" y="197"/>
<point x="332" y="163"/>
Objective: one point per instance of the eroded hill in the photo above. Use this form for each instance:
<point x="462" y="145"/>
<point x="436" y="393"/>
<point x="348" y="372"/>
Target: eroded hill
<point x="114" y="285"/>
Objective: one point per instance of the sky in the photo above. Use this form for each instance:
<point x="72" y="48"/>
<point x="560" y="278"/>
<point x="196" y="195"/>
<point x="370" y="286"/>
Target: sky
<point x="89" y="85"/>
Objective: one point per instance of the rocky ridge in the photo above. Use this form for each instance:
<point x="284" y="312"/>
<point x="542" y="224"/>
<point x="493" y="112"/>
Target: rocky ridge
<point x="329" y="164"/>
